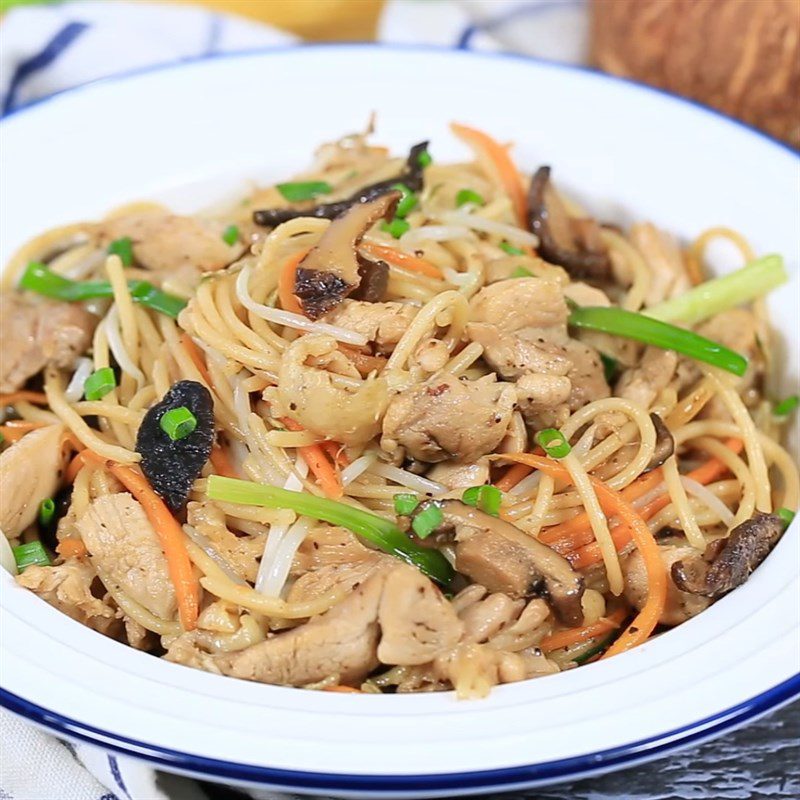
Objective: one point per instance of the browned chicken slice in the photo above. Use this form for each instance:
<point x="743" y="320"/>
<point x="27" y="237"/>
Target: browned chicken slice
<point x="34" y="333"/>
<point x="520" y="303"/>
<point x="380" y="323"/>
<point x="30" y="471"/>
<point x="164" y="241"/>
<point x="679" y="605"/>
<point x="449" y="418"/>
<point x="125" y="547"/>
<point x="641" y="384"/>
<point x="68" y="587"/>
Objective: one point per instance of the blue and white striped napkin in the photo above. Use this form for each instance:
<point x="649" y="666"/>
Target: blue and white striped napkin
<point x="47" y="49"/>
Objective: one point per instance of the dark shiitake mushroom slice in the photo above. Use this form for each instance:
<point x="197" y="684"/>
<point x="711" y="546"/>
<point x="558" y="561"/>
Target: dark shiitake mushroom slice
<point x="173" y="465"/>
<point x="411" y="176"/>
<point x="665" y="443"/>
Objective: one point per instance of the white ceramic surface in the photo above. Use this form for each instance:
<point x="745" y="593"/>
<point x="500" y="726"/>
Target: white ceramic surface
<point x="189" y="133"/>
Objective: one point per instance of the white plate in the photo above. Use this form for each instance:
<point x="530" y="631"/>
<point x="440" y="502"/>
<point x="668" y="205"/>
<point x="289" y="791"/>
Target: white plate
<point x="193" y="131"/>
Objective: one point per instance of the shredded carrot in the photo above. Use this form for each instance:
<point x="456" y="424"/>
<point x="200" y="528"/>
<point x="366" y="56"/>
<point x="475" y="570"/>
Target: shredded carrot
<point x="506" y="171"/>
<point x="193" y="351"/>
<point x="322" y="469"/>
<point x="363" y="362"/>
<point x="38" y="398"/>
<point x="342" y="689"/>
<point x="170" y="535"/>
<point x="647" y="619"/>
<point x="221" y="463"/>
<point x="75" y="466"/>
<point x="401" y="259"/>
<point x="71" y="548"/>
<point x="286" y="283"/>
<point x="15" y="429"/>
<point x="575" y="635"/>
<point x="336" y="452"/>
<point x="513" y="475"/>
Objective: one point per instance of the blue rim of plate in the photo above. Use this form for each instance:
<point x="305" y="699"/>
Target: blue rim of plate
<point x="541" y="773"/>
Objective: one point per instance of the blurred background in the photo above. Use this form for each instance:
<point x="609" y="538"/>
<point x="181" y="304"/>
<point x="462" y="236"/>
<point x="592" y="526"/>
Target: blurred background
<point x="740" y="56"/>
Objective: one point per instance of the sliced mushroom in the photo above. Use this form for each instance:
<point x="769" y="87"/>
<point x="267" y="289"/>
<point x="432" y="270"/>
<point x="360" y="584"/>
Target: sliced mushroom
<point x="411" y="177"/>
<point x="374" y="279"/>
<point x="665" y="443"/>
<point x="574" y="244"/>
<point x="502" y="558"/>
<point x="332" y="270"/>
<point x="720" y="570"/>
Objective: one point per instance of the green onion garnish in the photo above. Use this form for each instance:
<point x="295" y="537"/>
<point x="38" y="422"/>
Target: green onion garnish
<point x="178" y="423"/>
<point x="99" y="384"/>
<point x="38" y="278"/>
<point x="405" y="503"/>
<point x="785" y="407"/>
<point x="553" y="443"/>
<point x="786" y="515"/>
<point x="510" y="249"/>
<point x="406" y="203"/>
<point x="230" y="235"/>
<point x="30" y="554"/>
<point x="123" y="248"/>
<point x="424" y="159"/>
<point x="47" y="510"/>
<point x="610" y="367"/>
<point x="427" y="521"/>
<point x="465" y="196"/>
<point x="397" y="227"/>
<point x="303" y="190"/>
<point x="487" y="498"/>
<point x="521" y="272"/>
<point x="377" y="530"/>
<point x="640" y="328"/>
<point x="720" y="294"/>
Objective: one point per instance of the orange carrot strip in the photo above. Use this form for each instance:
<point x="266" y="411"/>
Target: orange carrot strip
<point x="575" y="635"/>
<point x="286" y="282"/>
<point x="335" y="452"/>
<point x="647" y="618"/>
<point x="193" y="351"/>
<point x="15" y="397"/>
<point x="75" y="466"/>
<point x="319" y="465"/>
<point x="221" y="463"/>
<point x="401" y="259"/>
<point x="506" y="171"/>
<point x="71" y="548"/>
<point x="170" y="536"/>
<point x="15" y="429"/>
<point x="363" y="362"/>
<point x="512" y="476"/>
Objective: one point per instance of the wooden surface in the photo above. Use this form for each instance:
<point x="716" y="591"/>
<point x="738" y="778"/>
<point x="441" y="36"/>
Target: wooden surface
<point x="761" y="760"/>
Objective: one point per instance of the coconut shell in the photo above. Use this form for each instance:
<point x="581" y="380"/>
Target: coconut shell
<point x="741" y="57"/>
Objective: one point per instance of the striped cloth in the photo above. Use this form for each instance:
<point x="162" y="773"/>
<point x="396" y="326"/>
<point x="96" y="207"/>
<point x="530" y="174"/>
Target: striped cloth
<point x="47" y="49"/>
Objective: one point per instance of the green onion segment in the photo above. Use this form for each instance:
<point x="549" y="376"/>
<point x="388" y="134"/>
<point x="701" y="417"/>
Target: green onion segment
<point x="30" y="554"/>
<point x="787" y="515"/>
<point x="397" y="227"/>
<point x="487" y="498"/>
<point x="640" y="328"/>
<point x="299" y="191"/>
<point x="405" y="503"/>
<point x="553" y="442"/>
<point x="38" y="278"/>
<point x="377" y="530"/>
<point x="230" y="235"/>
<point x="610" y="367"/>
<point x="786" y="406"/>
<point x="123" y="248"/>
<point x="99" y="384"/>
<point x="424" y="159"/>
<point x="427" y="521"/>
<point x="47" y="510"/>
<point x="178" y="423"/>
<point x="521" y="272"/>
<point x="720" y="294"/>
<point x="510" y="249"/>
<point x="465" y="196"/>
<point x="407" y="202"/>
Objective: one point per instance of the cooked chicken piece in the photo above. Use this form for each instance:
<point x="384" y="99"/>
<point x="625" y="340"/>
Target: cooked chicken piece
<point x="449" y="418"/>
<point x="728" y="563"/>
<point x="679" y="605"/>
<point x="329" y="546"/>
<point x="543" y="399"/>
<point x="68" y="587"/>
<point x="417" y="621"/>
<point x="164" y="241"/>
<point x="460" y="474"/>
<point x="125" y="547"/>
<point x="522" y="303"/>
<point x="668" y="276"/>
<point x="30" y="471"/>
<point x="484" y="619"/>
<point x="36" y="333"/>
<point x="396" y="614"/>
<point x="242" y="552"/>
<point x="333" y="577"/>
<point x="381" y="323"/>
<point x="505" y="267"/>
<point x="643" y="383"/>
<point x="586" y="376"/>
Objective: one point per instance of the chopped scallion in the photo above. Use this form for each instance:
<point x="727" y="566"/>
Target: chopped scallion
<point x="123" y="248"/>
<point x="47" y="510"/>
<point x="397" y="227"/>
<point x="553" y="442"/>
<point x="610" y="367"/>
<point x="405" y="503"/>
<point x="230" y="235"/>
<point x="510" y="249"/>
<point x="407" y="202"/>
<point x="521" y="272"/>
<point x="487" y="498"/>
<point x="303" y="190"/>
<point x="427" y="521"/>
<point x="787" y="515"/>
<point x="178" y="423"/>
<point x="99" y="384"/>
<point x="424" y="159"/>
<point x="785" y="407"/>
<point x="465" y="196"/>
<point x="30" y="554"/>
